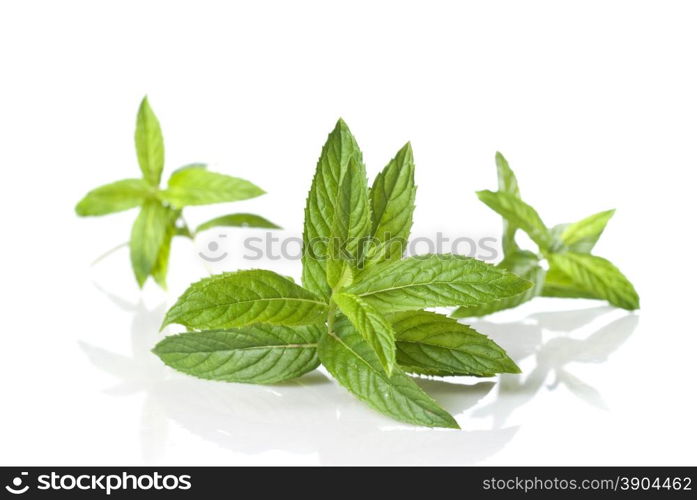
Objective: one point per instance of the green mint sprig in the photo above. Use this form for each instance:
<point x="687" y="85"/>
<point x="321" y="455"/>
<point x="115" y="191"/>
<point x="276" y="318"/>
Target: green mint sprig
<point x="359" y="311"/>
<point x="160" y="217"/>
<point x="573" y="271"/>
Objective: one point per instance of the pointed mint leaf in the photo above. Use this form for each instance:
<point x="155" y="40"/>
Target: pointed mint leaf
<point x="196" y="185"/>
<point x="435" y="280"/>
<point x="260" y="354"/>
<point x="159" y="270"/>
<point x="351" y="223"/>
<point x="433" y="344"/>
<point x="245" y="297"/>
<point x="392" y="201"/>
<point x="339" y="150"/>
<point x="521" y="263"/>
<point x="508" y="183"/>
<point x="581" y="236"/>
<point x="349" y="358"/>
<point x="147" y="236"/>
<point x="375" y="329"/>
<point x="559" y="284"/>
<point x="597" y="276"/>
<point x="519" y="214"/>
<point x="115" y="197"/>
<point x="150" y="146"/>
<point x="238" y="220"/>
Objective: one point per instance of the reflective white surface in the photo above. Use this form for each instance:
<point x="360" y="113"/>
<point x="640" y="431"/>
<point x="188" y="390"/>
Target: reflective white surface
<point x="585" y="396"/>
<point x="592" y="103"/>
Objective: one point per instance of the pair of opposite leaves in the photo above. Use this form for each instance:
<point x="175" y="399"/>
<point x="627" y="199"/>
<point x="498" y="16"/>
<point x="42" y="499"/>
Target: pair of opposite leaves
<point x="360" y="311"/>
<point x="160" y="217"/>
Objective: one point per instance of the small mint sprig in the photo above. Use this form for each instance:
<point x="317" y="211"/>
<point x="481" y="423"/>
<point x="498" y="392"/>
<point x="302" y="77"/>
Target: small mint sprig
<point x="573" y="271"/>
<point x="160" y="218"/>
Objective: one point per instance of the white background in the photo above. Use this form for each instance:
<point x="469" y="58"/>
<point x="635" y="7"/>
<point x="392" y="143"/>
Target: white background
<point x="593" y="103"/>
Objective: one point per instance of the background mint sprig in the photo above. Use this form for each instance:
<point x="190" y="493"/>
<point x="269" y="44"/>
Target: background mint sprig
<point x="160" y="218"/>
<point x="572" y="270"/>
<point x="359" y="311"/>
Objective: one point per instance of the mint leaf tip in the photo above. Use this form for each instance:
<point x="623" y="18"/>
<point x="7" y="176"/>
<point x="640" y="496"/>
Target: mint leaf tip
<point x="511" y="367"/>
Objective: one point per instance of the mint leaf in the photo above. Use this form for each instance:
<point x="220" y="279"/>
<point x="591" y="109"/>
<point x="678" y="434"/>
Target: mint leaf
<point x="521" y="263"/>
<point x="392" y="202"/>
<point x="351" y="223"/>
<point x="238" y="220"/>
<point x="581" y="236"/>
<point x="159" y="270"/>
<point x="375" y="329"/>
<point x="508" y="183"/>
<point x="150" y="146"/>
<point x="147" y="236"/>
<point x="245" y="297"/>
<point x="597" y="276"/>
<point x="560" y="285"/>
<point x="338" y="151"/>
<point x="349" y="358"/>
<point x="198" y="186"/>
<point x="433" y="344"/>
<point x="435" y="280"/>
<point x="261" y="354"/>
<point x="520" y="214"/>
<point x="115" y="197"/>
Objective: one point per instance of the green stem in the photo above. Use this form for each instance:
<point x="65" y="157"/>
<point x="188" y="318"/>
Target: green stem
<point x="331" y="313"/>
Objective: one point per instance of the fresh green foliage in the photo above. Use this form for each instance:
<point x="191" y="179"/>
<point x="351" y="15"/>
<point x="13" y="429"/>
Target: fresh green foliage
<point x="195" y="185"/>
<point x="349" y="358"/>
<point x="435" y="280"/>
<point x="359" y="310"/>
<point x="573" y="272"/>
<point x="115" y="197"/>
<point x="245" y="298"/>
<point x="147" y="237"/>
<point x="598" y="276"/>
<point x="392" y="205"/>
<point x="582" y="236"/>
<point x="433" y="344"/>
<point x="371" y="325"/>
<point x="518" y="214"/>
<point x="160" y="217"/>
<point x="150" y="146"/>
<point x="508" y="183"/>
<point x="340" y="151"/>
<point x="237" y="220"/>
<point x="522" y="263"/>
<point x="261" y="354"/>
